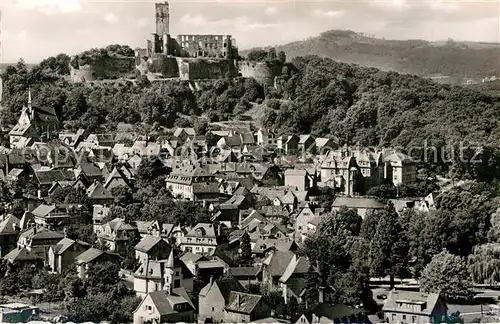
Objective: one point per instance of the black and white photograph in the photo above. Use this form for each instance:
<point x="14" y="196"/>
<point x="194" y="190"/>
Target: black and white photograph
<point x="250" y="161"/>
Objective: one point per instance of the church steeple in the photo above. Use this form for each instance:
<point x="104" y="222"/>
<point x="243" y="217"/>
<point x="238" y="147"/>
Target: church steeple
<point x="30" y="107"/>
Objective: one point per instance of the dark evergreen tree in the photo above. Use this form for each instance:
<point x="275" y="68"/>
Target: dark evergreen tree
<point x="246" y="250"/>
<point x="389" y="246"/>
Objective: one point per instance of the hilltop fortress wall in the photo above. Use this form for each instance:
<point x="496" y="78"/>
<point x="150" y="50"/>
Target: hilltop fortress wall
<point x="263" y="72"/>
<point x="108" y="67"/>
<point x="165" y="66"/>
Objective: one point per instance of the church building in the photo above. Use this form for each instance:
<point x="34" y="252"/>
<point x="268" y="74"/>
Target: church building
<point x="33" y="122"/>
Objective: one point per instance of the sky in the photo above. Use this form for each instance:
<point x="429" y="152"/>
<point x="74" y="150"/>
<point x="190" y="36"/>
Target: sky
<point x="36" y="29"/>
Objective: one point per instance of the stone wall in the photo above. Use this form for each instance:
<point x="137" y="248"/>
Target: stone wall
<point x="199" y="69"/>
<point x="162" y="18"/>
<point x="109" y="67"/>
<point x="214" y="46"/>
<point x="165" y="65"/>
<point x="84" y="73"/>
<point x="263" y="72"/>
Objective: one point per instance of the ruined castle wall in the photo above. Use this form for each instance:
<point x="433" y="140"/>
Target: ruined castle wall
<point x="199" y="69"/>
<point x="109" y="67"/>
<point x="214" y="46"/>
<point x="263" y="72"/>
<point x="84" y="73"/>
<point x="162" y="19"/>
<point x="164" y="65"/>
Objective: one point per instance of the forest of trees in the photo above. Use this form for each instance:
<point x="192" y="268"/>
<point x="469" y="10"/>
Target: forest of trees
<point x="102" y="106"/>
<point x="315" y="95"/>
<point x="447" y="250"/>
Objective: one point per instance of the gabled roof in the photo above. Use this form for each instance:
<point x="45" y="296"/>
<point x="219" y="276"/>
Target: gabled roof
<point x="21" y="254"/>
<point x="304" y="138"/>
<point x="242" y="302"/>
<point x="192" y="257"/>
<point x="225" y="286"/>
<point x="98" y="191"/>
<point x="245" y="271"/>
<point x="65" y="244"/>
<point x="297" y="266"/>
<point x="89" y="256"/>
<point x="15" y="172"/>
<point x="188" y="130"/>
<point x="149" y="242"/>
<point x="209" y="264"/>
<point x="236" y="200"/>
<point x="322" y="141"/>
<point x="165" y="302"/>
<point x="43" y="210"/>
<point x="279" y="244"/>
<point x="427" y="301"/>
<point x="41" y="233"/>
<point x="119" y="224"/>
<point x="56" y="175"/>
<point x="254" y="215"/>
<point x="278" y="261"/>
<point x="287" y="198"/>
<point x="116" y="174"/>
<point x="7" y="226"/>
<point x="90" y="169"/>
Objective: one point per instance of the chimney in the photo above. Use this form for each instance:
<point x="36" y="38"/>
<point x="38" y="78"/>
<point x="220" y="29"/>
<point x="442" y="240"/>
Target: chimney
<point x="39" y="194"/>
<point x="321" y="294"/>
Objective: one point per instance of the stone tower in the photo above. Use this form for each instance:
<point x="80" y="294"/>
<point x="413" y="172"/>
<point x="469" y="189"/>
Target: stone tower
<point x="162" y="19"/>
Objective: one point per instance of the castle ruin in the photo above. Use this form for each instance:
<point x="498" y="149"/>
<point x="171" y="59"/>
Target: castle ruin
<point x="185" y="57"/>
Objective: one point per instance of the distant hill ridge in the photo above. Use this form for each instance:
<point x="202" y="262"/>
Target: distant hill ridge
<point x="420" y="57"/>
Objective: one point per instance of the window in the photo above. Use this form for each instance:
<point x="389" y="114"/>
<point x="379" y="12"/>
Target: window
<point x="404" y="317"/>
<point x="413" y="319"/>
<point x="177" y="283"/>
<point x="393" y="317"/>
<point x="177" y="273"/>
<point x="213" y="309"/>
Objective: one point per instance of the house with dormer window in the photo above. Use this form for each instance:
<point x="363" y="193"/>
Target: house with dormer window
<point x="159" y="273"/>
<point x="200" y="240"/>
<point x="165" y="307"/>
<point x="414" y="307"/>
<point x="116" y="234"/>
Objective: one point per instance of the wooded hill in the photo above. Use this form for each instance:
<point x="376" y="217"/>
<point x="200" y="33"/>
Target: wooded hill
<point x="449" y="58"/>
